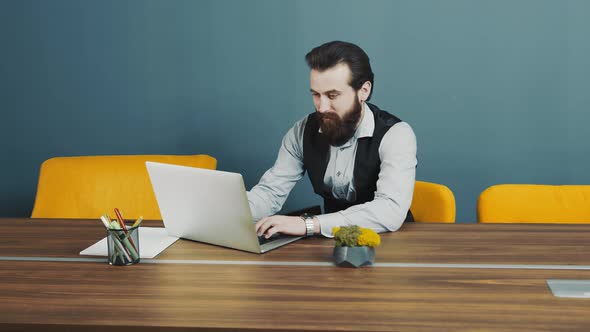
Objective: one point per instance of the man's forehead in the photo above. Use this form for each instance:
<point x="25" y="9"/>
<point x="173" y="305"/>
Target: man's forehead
<point x="334" y="78"/>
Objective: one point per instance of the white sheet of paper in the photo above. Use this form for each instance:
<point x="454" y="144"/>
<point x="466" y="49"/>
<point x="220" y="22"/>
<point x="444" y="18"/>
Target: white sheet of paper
<point x="570" y="288"/>
<point x="152" y="241"/>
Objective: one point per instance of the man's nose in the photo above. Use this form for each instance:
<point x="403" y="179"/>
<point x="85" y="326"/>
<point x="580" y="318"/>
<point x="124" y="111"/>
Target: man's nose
<point x="324" y="104"/>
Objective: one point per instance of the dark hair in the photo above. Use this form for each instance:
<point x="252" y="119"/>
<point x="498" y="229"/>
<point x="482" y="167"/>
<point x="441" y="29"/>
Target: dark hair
<point x="330" y="54"/>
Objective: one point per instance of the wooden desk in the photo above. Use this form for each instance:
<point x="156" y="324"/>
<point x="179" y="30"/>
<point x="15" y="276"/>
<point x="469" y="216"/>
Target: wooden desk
<point x="93" y="296"/>
<point x="414" y="243"/>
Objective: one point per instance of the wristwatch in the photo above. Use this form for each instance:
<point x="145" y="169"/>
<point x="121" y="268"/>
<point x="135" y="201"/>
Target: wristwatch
<point x="309" y="226"/>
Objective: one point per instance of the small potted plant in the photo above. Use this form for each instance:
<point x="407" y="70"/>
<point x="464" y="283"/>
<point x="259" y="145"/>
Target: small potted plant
<point x="355" y="246"/>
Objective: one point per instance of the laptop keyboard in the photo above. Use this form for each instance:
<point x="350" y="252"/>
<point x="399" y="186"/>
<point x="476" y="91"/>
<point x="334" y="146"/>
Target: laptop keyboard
<point x="275" y="236"/>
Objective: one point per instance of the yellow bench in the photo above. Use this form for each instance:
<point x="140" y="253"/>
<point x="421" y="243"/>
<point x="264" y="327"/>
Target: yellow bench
<point x="532" y="203"/>
<point x="433" y="202"/>
<point x="87" y="187"/>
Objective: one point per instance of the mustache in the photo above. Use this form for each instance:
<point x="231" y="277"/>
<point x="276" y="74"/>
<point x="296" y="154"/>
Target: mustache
<point x="328" y="116"/>
<point x="335" y="119"/>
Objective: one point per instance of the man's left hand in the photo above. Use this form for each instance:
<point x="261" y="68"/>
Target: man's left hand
<point x="280" y="224"/>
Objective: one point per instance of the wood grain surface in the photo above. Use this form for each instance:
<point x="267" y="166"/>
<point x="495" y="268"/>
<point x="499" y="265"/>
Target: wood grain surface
<point x="56" y="296"/>
<point x="414" y="243"/>
<point x="93" y="296"/>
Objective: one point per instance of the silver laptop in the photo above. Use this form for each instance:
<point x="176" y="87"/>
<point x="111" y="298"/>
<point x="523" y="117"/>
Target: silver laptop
<point x="207" y="206"/>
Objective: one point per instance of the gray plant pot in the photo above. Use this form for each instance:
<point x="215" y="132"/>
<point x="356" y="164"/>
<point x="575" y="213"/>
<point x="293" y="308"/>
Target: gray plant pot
<point x="354" y="256"/>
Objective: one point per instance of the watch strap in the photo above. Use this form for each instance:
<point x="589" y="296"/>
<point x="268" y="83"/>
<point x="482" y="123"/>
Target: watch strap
<point x="309" y="225"/>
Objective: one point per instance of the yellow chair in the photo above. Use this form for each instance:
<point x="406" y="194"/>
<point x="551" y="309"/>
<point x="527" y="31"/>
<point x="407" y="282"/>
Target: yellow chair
<point x="87" y="187"/>
<point x="433" y="202"/>
<point x="531" y="203"/>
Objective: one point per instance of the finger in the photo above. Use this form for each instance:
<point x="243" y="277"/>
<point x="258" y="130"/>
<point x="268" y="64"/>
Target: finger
<point x="271" y="231"/>
<point x="260" y="222"/>
<point x="264" y="226"/>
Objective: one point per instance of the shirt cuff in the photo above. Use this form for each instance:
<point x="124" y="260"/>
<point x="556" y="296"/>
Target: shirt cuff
<point x="328" y="222"/>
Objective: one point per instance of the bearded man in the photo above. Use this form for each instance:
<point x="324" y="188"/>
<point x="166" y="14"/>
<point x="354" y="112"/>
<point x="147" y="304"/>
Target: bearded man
<point x="360" y="160"/>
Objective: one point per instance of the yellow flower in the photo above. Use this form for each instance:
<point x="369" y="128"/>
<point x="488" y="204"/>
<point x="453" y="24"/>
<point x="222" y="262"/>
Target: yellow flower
<point x="335" y="230"/>
<point x="369" y="238"/>
<point x="355" y="236"/>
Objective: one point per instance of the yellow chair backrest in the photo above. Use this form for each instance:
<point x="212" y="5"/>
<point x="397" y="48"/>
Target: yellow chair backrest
<point x="433" y="202"/>
<point x="531" y="203"/>
<point x="87" y="187"/>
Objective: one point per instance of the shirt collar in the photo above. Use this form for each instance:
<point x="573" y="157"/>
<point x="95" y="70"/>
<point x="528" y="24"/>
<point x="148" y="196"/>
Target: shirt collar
<point x="367" y="125"/>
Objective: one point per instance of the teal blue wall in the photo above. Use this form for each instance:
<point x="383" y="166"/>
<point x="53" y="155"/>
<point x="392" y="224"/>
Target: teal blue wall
<point x="497" y="91"/>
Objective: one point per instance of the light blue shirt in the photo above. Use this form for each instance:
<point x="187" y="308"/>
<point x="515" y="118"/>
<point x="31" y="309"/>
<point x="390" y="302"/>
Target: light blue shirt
<point x="395" y="186"/>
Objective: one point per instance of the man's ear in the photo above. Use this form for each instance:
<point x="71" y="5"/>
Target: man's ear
<point x="365" y="91"/>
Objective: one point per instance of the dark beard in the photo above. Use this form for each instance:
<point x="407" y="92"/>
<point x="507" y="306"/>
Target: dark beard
<point x="336" y="130"/>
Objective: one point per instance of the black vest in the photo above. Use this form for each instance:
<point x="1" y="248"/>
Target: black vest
<point x="316" y="153"/>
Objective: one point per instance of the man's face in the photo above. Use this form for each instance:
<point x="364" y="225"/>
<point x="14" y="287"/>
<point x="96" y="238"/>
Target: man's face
<point x="336" y="102"/>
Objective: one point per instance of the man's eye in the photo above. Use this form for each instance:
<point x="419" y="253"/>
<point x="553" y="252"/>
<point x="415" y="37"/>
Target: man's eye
<point x="332" y="96"/>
